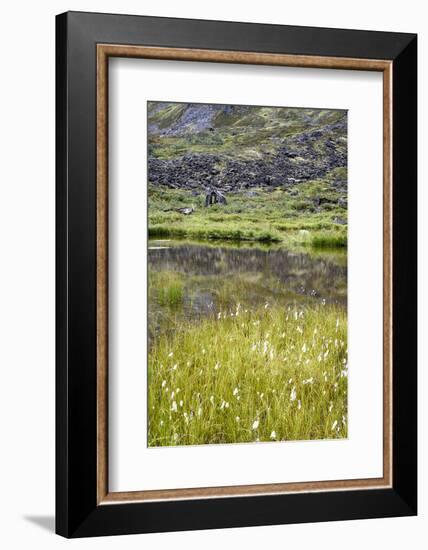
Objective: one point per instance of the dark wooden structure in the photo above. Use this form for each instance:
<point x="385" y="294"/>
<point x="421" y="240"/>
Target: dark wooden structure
<point x="214" y="197"/>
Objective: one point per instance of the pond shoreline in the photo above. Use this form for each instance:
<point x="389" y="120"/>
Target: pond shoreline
<point x="191" y="281"/>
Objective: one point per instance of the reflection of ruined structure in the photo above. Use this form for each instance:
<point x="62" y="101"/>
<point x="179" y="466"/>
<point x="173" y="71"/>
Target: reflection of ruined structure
<point x="213" y="197"/>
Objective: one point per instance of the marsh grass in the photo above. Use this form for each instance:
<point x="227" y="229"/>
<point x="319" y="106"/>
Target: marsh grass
<point x="329" y="239"/>
<point x="167" y="287"/>
<point x="265" y="375"/>
<point x="171" y="295"/>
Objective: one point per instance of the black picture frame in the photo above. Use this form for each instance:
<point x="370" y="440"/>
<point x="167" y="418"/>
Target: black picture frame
<point x="77" y="511"/>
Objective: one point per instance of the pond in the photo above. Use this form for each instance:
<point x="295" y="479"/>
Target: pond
<point x="189" y="281"/>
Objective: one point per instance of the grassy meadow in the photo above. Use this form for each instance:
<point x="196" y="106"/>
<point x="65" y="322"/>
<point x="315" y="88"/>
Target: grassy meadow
<point x="273" y="374"/>
<point x="276" y="216"/>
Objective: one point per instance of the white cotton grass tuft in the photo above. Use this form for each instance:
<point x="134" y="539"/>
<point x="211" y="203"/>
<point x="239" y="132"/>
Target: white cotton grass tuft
<point x="317" y="368"/>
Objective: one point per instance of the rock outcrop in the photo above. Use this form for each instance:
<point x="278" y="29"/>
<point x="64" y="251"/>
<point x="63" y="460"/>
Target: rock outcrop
<point x="234" y="148"/>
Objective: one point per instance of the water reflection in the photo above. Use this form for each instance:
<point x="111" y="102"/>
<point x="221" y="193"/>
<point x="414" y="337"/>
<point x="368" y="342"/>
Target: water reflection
<point x="188" y="281"/>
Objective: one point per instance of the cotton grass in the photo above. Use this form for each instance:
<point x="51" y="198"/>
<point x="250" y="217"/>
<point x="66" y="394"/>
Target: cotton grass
<point x="262" y="375"/>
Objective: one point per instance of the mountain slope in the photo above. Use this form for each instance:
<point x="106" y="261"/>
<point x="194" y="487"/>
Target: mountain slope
<point x="232" y="148"/>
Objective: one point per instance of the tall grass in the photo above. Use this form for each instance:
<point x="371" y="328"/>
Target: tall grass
<point x="168" y="287"/>
<point x="209" y="231"/>
<point x="329" y="239"/>
<point x="171" y="295"/>
<point x="266" y="375"/>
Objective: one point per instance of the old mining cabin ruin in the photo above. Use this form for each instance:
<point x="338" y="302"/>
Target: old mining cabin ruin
<point x="214" y="197"/>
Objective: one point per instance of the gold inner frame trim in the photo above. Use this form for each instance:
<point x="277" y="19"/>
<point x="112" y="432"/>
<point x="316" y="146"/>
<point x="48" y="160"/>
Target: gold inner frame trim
<point x="104" y="51"/>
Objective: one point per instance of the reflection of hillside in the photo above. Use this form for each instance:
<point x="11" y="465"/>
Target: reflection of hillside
<point x="299" y="273"/>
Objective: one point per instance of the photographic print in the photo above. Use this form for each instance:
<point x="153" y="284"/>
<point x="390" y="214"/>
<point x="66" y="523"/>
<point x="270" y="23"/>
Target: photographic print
<point x="247" y="274"/>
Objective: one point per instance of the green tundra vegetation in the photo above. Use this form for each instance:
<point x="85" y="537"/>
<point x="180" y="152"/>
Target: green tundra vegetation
<point x="268" y="216"/>
<point x="283" y="172"/>
<point x="247" y="299"/>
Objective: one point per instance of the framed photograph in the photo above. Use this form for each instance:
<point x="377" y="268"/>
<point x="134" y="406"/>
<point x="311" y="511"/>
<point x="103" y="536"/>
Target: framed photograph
<point x="236" y="274"/>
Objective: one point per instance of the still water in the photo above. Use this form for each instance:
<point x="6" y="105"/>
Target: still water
<point x="189" y="281"/>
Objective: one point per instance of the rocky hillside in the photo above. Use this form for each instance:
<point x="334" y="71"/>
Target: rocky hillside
<point x="233" y="148"/>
